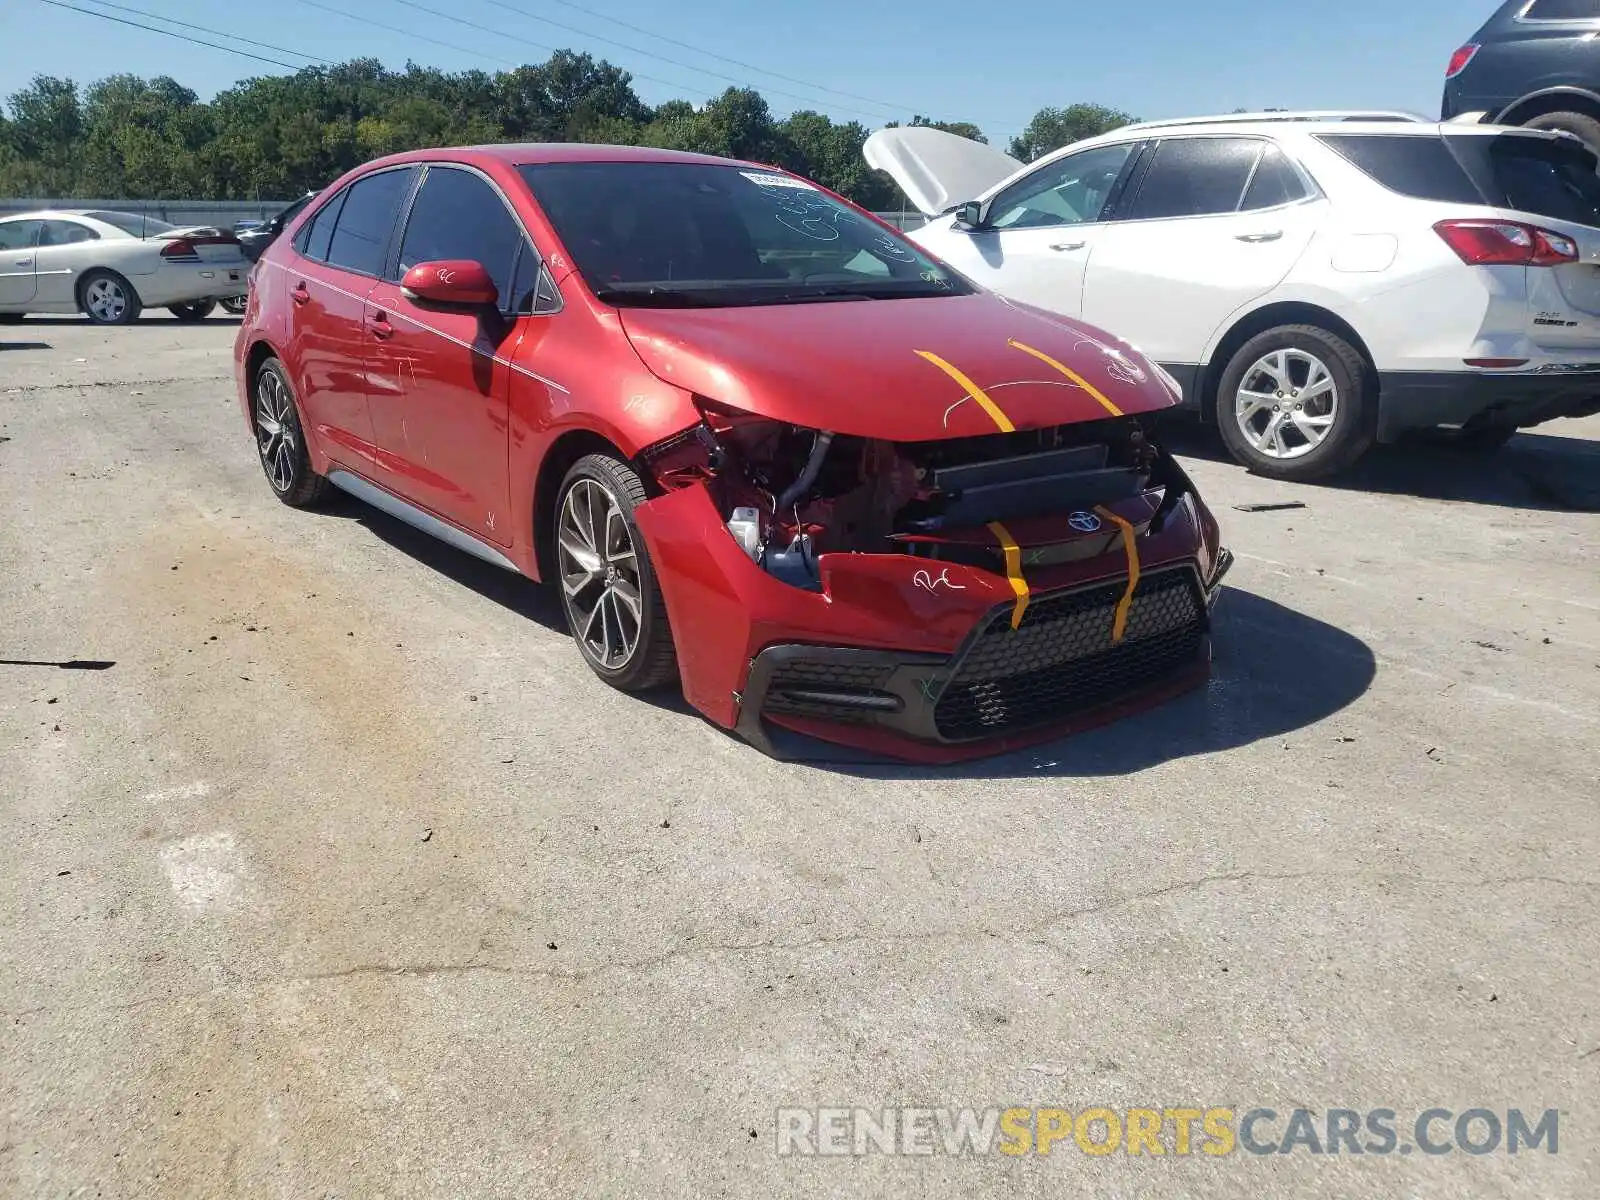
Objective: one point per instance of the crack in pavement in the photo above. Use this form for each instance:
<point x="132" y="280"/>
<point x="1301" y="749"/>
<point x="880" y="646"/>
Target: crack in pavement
<point x="962" y="933"/>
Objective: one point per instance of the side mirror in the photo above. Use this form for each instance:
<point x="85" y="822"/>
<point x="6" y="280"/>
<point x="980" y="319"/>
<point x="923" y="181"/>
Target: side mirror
<point x="973" y="215"/>
<point x="459" y="283"/>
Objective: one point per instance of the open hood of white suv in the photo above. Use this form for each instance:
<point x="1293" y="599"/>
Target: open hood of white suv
<point x="937" y="170"/>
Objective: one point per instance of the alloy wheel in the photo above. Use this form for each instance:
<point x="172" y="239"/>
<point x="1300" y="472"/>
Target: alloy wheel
<point x="599" y="570"/>
<point x="276" y="430"/>
<point x="1287" y="403"/>
<point x="106" y="299"/>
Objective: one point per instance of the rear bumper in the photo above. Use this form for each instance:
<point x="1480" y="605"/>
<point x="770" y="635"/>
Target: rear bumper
<point x="1424" y="399"/>
<point x="182" y="283"/>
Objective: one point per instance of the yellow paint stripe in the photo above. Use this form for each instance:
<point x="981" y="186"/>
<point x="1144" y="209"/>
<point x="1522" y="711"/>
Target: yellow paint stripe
<point x="973" y="390"/>
<point x="1013" y="554"/>
<point x="1070" y="374"/>
<point x="1119" y="625"/>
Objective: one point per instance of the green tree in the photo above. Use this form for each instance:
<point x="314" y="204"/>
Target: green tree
<point x="1052" y="128"/>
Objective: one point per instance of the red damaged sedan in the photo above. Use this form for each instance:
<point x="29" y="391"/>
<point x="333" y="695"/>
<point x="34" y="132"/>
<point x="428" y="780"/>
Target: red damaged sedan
<point x="763" y="444"/>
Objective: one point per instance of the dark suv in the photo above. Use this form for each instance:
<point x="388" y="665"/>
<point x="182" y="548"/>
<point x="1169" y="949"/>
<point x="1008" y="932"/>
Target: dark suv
<point x="1534" y="63"/>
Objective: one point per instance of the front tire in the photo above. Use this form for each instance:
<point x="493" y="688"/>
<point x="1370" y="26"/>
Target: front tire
<point x="614" y="606"/>
<point x="1297" y="402"/>
<point x="108" y="299"/>
<point x="190" y="313"/>
<point x="11" y="318"/>
<point x="280" y="439"/>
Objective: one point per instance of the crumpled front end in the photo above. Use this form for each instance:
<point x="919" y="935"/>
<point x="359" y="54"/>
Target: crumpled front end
<point x="934" y="601"/>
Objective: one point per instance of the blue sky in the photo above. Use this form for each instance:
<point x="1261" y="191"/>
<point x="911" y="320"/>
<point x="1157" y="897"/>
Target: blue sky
<point x="995" y="64"/>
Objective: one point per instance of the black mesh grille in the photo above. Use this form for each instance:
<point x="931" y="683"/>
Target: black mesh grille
<point x="821" y="676"/>
<point x="1061" y="661"/>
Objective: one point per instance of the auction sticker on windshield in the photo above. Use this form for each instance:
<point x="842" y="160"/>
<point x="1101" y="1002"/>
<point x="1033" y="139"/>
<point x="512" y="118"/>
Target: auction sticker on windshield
<point x="783" y="181"/>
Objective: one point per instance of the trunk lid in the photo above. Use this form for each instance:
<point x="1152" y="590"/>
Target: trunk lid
<point x="207" y="244"/>
<point x="937" y="170"/>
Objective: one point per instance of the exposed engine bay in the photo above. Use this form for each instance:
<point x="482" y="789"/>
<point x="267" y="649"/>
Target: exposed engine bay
<point x="789" y="494"/>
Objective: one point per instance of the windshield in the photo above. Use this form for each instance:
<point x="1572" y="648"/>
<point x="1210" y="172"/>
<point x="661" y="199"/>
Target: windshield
<point x="701" y="235"/>
<point x="135" y="223"/>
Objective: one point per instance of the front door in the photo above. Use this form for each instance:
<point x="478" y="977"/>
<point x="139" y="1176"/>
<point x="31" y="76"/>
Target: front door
<point x="439" y="380"/>
<point x="18" y="240"/>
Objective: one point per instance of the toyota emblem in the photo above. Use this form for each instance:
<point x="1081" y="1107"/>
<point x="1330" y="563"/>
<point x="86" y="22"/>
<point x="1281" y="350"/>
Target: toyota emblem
<point x="1083" y="522"/>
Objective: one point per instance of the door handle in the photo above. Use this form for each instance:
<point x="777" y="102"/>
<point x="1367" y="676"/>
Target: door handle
<point x="300" y="294"/>
<point x="1068" y="245"/>
<point x="1253" y="238"/>
<point x="24" y="262"/>
<point x="380" y="326"/>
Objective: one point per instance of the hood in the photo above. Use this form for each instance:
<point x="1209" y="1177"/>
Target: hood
<point x="900" y="370"/>
<point x="937" y="170"/>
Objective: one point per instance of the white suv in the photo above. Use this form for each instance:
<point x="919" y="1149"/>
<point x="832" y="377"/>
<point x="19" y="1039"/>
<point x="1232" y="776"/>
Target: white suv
<point x="1315" y="281"/>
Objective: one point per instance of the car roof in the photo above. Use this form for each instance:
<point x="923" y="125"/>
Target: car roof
<point x="528" y="153"/>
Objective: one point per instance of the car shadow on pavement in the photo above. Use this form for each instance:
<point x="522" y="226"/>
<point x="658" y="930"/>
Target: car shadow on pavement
<point x="1275" y="671"/>
<point x="5" y="345"/>
<point x="1537" y="469"/>
<point x="515" y="592"/>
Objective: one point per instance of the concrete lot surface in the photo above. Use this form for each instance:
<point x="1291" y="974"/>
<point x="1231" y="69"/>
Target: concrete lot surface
<point x="348" y="880"/>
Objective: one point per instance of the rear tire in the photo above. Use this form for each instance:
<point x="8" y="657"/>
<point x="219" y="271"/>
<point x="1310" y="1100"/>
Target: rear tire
<point x="1581" y="125"/>
<point x="1297" y="402"/>
<point x="609" y="592"/>
<point x="280" y="439"/>
<point x="107" y="298"/>
<point x="234" y="305"/>
<point x="190" y="313"/>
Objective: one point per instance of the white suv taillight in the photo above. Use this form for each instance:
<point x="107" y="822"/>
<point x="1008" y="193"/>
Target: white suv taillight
<point x="1506" y="243"/>
<point x="1460" y="59"/>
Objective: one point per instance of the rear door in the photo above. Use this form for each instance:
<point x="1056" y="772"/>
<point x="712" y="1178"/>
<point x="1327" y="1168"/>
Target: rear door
<point x="1042" y="229"/>
<point x="438" y="381"/>
<point x="1211" y="224"/>
<point x="19" y="240"/>
<point x="340" y="255"/>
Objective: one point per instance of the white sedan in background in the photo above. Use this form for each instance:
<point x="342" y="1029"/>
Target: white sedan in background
<point x="111" y="265"/>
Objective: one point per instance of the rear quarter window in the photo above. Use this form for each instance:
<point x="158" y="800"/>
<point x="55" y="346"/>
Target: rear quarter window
<point x="1421" y="167"/>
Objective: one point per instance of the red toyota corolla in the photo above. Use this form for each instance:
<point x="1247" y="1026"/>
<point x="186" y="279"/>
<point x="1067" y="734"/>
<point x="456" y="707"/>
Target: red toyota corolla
<point x="762" y="443"/>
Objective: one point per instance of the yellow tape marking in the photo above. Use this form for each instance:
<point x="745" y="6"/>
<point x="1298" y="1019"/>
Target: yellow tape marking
<point x="1070" y="374"/>
<point x="1119" y="626"/>
<point x="1013" y="554"/>
<point x="973" y="390"/>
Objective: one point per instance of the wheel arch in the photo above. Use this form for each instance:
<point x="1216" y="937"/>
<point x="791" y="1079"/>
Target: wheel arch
<point x="88" y="273"/>
<point x="260" y="350"/>
<point x="1270" y="316"/>
<point x="567" y="448"/>
<point x="1550" y="100"/>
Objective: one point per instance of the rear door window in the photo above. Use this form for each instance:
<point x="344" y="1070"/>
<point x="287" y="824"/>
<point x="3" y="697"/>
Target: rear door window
<point x="314" y="238"/>
<point x="360" y="240"/>
<point x="1195" y="177"/>
<point x="1419" y="166"/>
<point x="1563" y="10"/>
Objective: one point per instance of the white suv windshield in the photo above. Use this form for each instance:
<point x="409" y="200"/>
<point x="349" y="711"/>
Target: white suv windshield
<point x="703" y="235"/>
